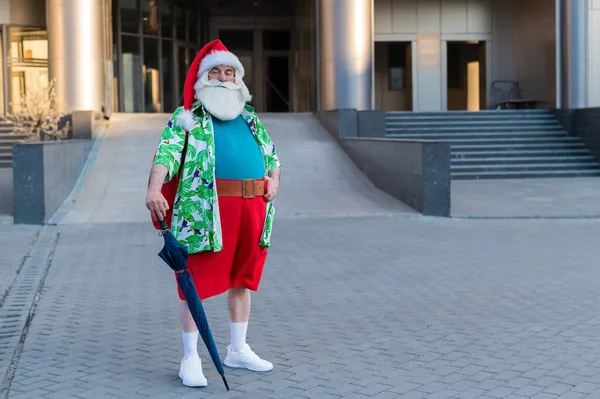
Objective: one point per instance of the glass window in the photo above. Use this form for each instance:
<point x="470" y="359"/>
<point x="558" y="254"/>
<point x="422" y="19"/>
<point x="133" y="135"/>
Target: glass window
<point x="182" y="70"/>
<point x="180" y="24"/>
<point x="150" y="17"/>
<point x="168" y="76"/>
<point x="397" y="60"/>
<point x="130" y="16"/>
<point x="454" y="70"/>
<point x="151" y="76"/>
<point x="276" y="40"/>
<point x="28" y="66"/>
<point x="131" y="68"/>
<point x="192" y="27"/>
<point x="116" y="78"/>
<point x="397" y="54"/>
<point x="1" y="75"/>
<point x="166" y="19"/>
<point x="239" y="40"/>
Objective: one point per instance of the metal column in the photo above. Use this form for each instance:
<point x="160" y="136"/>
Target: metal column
<point x="75" y="53"/>
<point x="346" y="54"/>
<point x="573" y="17"/>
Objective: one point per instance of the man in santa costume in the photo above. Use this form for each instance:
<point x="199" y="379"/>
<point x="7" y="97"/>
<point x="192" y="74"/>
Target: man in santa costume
<point x="213" y="179"/>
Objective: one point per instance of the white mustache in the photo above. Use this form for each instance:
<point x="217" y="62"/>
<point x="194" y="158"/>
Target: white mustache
<point x="218" y="83"/>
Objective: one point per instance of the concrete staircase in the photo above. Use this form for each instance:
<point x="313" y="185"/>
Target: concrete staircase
<point x="7" y="139"/>
<point x="499" y="144"/>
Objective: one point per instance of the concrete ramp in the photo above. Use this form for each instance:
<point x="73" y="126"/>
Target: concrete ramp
<point x="318" y="179"/>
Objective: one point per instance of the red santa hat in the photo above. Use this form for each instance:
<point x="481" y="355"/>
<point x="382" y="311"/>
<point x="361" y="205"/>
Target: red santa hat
<point x="211" y="55"/>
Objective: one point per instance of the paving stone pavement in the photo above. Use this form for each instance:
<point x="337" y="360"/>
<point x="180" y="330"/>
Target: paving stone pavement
<point x="20" y="299"/>
<point x="15" y="242"/>
<point x="385" y="307"/>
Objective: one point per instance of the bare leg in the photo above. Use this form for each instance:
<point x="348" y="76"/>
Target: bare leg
<point x="187" y="322"/>
<point x="238" y="302"/>
<point x="239" y="353"/>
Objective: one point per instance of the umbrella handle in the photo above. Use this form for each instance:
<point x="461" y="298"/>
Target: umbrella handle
<point x="163" y="225"/>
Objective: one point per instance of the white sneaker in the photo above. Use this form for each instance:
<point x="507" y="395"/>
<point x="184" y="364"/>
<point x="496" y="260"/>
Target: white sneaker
<point x="191" y="373"/>
<point x="246" y="359"/>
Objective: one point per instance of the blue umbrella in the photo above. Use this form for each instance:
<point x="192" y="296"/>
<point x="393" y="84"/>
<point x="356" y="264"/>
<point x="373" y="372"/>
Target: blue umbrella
<point x="175" y="255"/>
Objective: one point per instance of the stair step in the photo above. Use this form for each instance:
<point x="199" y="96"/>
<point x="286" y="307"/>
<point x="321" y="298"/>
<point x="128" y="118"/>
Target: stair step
<point x="471" y="117"/>
<point x="473" y="113"/>
<point x="521" y="160"/>
<point x="566" y="140"/>
<point x="525" y="167"/>
<point x="525" y="175"/>
<point x="12" y="138"/>
<point x="469" y="122"/>
<point x="517" y="147"/>
<point x="488" y="129"/>
<point x="543" y="120"/>
<point x="519" y="153"/>
<point x="485" y="135"/>
<point x="5" y="164"/>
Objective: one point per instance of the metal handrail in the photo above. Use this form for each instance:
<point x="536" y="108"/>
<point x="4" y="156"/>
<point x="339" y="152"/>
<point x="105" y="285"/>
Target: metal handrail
<point x="279" y="94"/>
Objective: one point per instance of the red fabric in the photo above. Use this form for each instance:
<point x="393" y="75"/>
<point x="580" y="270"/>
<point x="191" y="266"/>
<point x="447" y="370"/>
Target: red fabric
<point x="192" y="75"/>
<point x="240" y="263"/>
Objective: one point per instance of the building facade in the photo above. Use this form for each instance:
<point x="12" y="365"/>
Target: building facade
<point x="305" y="55"/>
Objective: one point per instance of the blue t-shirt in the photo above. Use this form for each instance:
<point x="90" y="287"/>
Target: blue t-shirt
<point x="237" y="154"/>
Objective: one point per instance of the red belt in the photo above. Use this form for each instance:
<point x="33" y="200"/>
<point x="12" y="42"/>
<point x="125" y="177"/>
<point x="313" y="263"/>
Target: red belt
<point x="249" y="188"/>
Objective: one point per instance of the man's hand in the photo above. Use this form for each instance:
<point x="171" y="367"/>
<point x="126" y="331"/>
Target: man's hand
<point x="272" y="185"/>
<point x="157" y="204"/>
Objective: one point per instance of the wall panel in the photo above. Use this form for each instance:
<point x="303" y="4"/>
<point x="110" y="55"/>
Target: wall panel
<point x="454" y="16"/>
<point x="383" y="16"/>
<point x="404" y="16"/>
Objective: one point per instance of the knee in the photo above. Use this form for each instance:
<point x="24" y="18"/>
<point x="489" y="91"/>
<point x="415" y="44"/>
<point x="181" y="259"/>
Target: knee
<point x="240" y="290"/>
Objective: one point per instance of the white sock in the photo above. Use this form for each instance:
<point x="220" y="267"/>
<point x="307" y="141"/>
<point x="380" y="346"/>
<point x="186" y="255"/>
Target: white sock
<point x="190" y="343"/>
<point x="238" y="336"/>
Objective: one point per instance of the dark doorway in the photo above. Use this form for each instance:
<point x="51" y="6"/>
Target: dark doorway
<point x="466" y="67"/>
<point x="277" y="83"/>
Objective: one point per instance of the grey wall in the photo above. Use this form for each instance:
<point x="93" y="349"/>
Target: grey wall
<point x="340" y="123"/>
<point x="43" y="176"/>
<point x="416" y="173"/>
<point x="584" y="123"/>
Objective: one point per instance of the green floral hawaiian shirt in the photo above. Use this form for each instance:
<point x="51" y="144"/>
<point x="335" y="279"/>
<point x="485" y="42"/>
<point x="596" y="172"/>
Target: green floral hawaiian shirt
<point x="196" y="222"/>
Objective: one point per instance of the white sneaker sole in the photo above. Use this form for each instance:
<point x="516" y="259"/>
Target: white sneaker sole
<point x="237" y="365"/>
<point x="190" y="384"/>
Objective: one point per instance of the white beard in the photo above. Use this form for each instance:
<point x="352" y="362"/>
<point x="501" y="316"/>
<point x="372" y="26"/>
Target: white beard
<point x="222" y="102"/>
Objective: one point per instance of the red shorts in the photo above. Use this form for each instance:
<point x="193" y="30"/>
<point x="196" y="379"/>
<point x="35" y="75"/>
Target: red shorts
<point x="240" y="263"/>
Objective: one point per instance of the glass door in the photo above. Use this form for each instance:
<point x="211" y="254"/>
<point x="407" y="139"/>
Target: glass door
<point x="2" y="64"/>
<point x="27" y="64"/>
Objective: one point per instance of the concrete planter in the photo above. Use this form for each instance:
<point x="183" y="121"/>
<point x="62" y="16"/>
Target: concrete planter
<point x="415" y="172"/>
<point x="44" y="173"/>
<point x="583" y="123"/>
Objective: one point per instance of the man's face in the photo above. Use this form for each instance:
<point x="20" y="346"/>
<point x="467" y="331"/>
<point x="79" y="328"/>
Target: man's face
<point x="222" y="73"/>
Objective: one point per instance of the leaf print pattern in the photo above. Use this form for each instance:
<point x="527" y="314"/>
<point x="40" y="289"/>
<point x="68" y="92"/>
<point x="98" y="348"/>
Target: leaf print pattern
<point x="196" y="218"/>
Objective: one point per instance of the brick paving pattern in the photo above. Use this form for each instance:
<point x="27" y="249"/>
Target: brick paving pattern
<point x="389" y="307"/>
